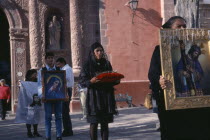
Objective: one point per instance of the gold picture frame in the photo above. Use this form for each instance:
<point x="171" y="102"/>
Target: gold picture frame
<point x="185" y="90"/>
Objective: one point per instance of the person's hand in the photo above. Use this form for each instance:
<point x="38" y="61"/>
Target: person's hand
<point x="164" y="83"/>
<point x="52" y="88"/>
<point x="43" y="100"/>
<point x="189" y="68"/>
<point x="117" y="82"/>
<point x="7" y="100"/>
<point x="181" y="44"/>
<point x="66" y="99"/>
<point x="186" y="74"/>
<point x="94" y="80"/>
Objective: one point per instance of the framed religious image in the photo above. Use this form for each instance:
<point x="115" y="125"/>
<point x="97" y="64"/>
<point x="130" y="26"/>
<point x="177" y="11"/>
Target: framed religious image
<point x="54" y="85"/>
<point x="185" y="57"/>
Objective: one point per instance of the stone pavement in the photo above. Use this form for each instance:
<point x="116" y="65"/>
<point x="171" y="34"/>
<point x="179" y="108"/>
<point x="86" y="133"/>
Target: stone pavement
<point x="131" y="124"/>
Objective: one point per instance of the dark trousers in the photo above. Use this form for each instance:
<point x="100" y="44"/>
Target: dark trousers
<point x="186" y="124"/>
<point x="67" y="125"/>
<point x="3" y="108"/>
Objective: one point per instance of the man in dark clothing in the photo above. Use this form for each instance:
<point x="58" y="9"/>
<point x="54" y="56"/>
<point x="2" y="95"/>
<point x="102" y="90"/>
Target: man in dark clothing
<point x="67" y="125"/>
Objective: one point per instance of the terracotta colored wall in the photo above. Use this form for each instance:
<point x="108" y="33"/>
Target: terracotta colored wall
<point x="130" y="45"/>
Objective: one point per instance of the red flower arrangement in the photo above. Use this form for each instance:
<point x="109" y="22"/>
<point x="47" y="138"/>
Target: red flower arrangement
<point x="109" y="77"/>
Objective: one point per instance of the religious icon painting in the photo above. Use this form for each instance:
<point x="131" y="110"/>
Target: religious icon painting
<point x="185" y="57"/>
<point x="54" y="85"/>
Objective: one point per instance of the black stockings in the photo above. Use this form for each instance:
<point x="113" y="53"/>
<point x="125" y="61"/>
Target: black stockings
<point x="93" y="131"/>
<point x="104" y="131"/>
<point x="28" y="126"/>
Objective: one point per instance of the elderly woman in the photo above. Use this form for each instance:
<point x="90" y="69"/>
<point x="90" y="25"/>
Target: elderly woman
<point x="185" y="124"/>
<point x="100" y="102"/>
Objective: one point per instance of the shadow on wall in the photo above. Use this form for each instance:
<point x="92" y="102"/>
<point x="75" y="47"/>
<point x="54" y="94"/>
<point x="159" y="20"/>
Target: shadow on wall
<point x="151" y="16"/>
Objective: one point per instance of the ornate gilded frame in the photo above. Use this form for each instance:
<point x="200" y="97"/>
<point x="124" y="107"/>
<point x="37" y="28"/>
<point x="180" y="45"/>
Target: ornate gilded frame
<point x="168" y="40"/>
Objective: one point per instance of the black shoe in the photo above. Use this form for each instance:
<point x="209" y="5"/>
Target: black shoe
<point x="65" y="134"/>
<point x="37" y="135"/>
<point x="48" y="138"/>
<point x="158" y="129"/>
<point x="30" y="135"/>
<point x="59" y="138"/>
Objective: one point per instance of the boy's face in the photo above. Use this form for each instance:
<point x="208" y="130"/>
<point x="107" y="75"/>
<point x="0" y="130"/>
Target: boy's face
<point x="50" y="61"/>
<point x="59" y="64"/>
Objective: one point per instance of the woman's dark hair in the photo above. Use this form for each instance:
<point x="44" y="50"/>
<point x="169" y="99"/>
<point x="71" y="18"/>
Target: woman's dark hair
<point x="92" y="48"/>
<point x="92" y="62"/>
<point x="193" y="49"/>
<point x="61" y="60"/>
<point x="171" y="21"/>
<point x="49" y="54"/>
<point x="29" y="73"/>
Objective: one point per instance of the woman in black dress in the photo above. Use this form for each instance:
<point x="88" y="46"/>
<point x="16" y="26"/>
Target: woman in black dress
<point x="100" y="102"/>
<point x="183" y="124"/>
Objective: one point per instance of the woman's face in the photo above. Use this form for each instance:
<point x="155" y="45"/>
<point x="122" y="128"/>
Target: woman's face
<point x="34" y="76"/>
<point x="98" y="52"/>
<point x="179" y="24"/>
<point x="56" y="83"/>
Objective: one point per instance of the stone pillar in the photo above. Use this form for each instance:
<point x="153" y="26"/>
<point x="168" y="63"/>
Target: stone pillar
<point x="167" y="9"/>
<point x="34" y="35"/>
<point x="189" y="10"/>
<point x="76" y="36"/>
<point x="18" y="39"/>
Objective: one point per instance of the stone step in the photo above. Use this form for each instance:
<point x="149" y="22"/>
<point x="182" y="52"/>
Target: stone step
<point x="10" y="114"/>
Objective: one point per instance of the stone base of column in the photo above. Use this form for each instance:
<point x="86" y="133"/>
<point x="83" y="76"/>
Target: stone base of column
<point x="14" y="107"/>
<point x="75" y="105"/>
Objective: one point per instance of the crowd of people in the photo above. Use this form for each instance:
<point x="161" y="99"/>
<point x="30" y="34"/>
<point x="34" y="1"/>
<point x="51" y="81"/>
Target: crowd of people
<point x="98" y="100"/>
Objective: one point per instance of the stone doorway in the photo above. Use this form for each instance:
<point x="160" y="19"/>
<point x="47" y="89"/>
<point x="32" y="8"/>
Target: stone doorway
<point x="5" y="63"/>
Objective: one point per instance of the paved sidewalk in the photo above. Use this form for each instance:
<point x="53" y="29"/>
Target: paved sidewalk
<point x="131" y="124"/>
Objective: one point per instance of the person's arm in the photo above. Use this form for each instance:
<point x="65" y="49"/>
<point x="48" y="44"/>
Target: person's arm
<point x="155" y="70"/>
<point x="70" y="76"/>
<point x="84" y="78"/>
<point x="8" y="94"/>
<point x="39" y="80"/>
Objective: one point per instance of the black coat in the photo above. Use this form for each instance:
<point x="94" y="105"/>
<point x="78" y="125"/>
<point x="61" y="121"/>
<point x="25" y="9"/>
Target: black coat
<point x="100" y="96"/>
<point x="183" y="124"/>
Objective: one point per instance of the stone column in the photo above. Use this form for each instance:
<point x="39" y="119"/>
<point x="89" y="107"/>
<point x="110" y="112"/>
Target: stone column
<point x="18" y="39"/>
<point x="189" y="10"/>
<point x="34" y="35"/>
<point x="76" y="36"/>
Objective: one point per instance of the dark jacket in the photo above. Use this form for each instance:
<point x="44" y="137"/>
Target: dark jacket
<point x="100" y="96"/>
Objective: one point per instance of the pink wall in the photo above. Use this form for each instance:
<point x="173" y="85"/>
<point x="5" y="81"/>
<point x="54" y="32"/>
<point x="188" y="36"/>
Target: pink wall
<point x="130" y="45"/>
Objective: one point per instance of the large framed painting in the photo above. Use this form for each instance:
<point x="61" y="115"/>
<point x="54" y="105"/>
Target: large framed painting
<point x="185" y="59"/>
<point x="54" y="85"/>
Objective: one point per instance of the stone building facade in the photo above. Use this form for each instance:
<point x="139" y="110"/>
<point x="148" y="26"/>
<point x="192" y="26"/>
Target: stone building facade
<point x="28" y="36"/>
<point x="128" y="37"/>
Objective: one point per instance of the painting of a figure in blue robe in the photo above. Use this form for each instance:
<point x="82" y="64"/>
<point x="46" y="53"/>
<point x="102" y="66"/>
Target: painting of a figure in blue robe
<point x="55" y="86"/>
<point x="191" y="68"/>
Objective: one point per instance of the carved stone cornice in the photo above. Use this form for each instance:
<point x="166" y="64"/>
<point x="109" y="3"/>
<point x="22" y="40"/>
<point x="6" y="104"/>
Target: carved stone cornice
<point x="17" y="33"/>
<point x="22" y="3"/>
